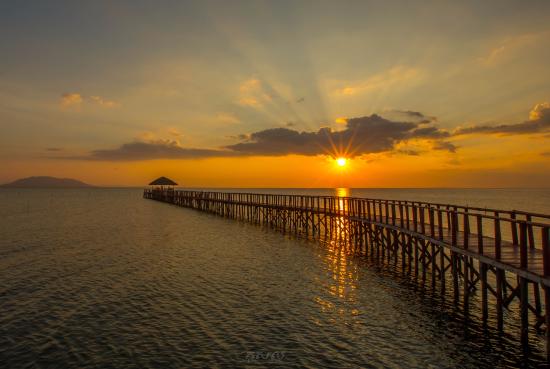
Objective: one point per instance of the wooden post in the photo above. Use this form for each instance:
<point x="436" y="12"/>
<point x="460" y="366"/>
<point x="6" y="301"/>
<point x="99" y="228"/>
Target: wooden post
<point x="514" y="228"/>
<point x="484" y="300"/>
<point x="432" y="221"/>
<point x="423" y="243"/>
<point x="421" y="211"/>
<point x="479" y="234"/>
<point x="466" y="296"/>
<point x="415" y="223"/>
<point x="454" y="257"/>
<point x="403" y="252"/>
<point x="524" y="311"/>
<point x="401" y="220"/>
<point x="442" y="268"/>
<point x="546" y="270"/>
<point x="466" y="229"/>
<point x="497" y="237"/>
<point x="523" y="245"/>
<point x="530" y="229"/>
<point x="499" y="281"/>
<point x="440" y="223"/>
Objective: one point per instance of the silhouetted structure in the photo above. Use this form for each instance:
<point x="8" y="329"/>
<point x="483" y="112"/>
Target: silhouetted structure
<point x="163" y="181"/>
<point x="163" y="189"/>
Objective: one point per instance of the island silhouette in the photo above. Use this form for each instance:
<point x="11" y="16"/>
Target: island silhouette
<point x="46" y="182"/>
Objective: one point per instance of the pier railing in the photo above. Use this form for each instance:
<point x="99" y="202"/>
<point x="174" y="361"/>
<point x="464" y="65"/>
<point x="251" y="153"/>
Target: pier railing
<point x="483" y="230"/>
<point x="474" y="246"/>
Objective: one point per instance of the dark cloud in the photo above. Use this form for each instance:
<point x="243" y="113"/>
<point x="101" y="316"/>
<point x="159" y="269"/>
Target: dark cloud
<point x="162" y="149"/>
<point x="362" y="135"/>
<point x="53" y="149"/>
<point x="430" y="132"/>
<point x="547" y="153"/>
<point x="539" y="121"/>
<point x="443" y="145"/>
<point x="301" y="99"/>
<point x="409" y="152"/>
<point x="411" y="113"/>
<point x="416" y="115"/>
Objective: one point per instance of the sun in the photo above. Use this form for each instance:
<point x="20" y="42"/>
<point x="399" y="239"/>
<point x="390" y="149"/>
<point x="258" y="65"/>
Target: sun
<point x="341" y="162"/>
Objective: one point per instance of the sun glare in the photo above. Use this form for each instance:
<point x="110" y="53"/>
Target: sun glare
<point x="341" y="162"/>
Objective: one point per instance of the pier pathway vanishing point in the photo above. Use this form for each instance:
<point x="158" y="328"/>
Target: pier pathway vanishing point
<point x="503" y="255"/>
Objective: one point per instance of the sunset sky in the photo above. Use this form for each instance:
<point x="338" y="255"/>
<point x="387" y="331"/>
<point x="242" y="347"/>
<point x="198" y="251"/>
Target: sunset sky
<point x="270" y="93"/>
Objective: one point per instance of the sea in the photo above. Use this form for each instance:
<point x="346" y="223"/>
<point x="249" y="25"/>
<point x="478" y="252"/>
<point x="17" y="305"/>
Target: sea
<point x="102" y="278"/>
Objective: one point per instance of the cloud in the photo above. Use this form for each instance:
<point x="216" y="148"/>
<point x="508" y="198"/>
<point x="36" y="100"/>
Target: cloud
<point x="422" y="118"/>
<point x="103" y="102"/>
<point x="539" y="122"/>
<point x="250" y="85"/>
<point x="228" y="118"/>
<point x="409" y="152"/>
<point x="71" y="99"/>
<point x="381" y="81"/>
<point x="411" y="113"/>
<point x="249" y="101"/>
<point x="174" y="132"/>
<point x="252" y="93"/>
<point x="357" y="136"/>
<point x="546" y="153"/>
<point x="444" y="145"/>
<point x="159" y="149"/>
<point x="53" y="149"/>
<point x="75" y="99"/>
<point x="513" y="45"/>
<point x="363" y="135"/>
<point x="540" y="111"/>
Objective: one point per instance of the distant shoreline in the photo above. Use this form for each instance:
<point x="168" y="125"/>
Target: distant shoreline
<point x="46" y="182"/>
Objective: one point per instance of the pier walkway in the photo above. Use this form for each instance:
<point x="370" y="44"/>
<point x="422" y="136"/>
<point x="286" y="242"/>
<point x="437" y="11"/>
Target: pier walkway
<point x="503" y="255"/>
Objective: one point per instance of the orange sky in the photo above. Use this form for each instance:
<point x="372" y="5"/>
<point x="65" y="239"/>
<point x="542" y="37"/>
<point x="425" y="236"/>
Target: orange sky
<point x="442" y="94"/>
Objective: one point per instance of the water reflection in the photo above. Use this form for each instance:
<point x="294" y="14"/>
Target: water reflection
<point x="343" y="273"/>
<point x="342" y="192"/>
<point x="341" y="234"/>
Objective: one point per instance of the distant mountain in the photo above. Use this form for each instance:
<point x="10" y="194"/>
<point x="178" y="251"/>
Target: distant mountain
<point x="46" y="182"/>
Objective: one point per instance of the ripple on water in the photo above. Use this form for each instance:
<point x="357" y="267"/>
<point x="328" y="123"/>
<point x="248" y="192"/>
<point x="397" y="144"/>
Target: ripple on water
<point x="103" y="278"/>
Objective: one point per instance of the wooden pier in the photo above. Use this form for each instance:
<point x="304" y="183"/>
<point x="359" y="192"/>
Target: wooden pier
<point x="500" y="256"/>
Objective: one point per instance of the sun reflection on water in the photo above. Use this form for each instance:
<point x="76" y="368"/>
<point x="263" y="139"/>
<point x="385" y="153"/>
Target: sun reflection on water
<point x="341" y="226"/>
<point x="344" y="274"/>
<point x="342" y="192"/>
<point x="342" y="282"/>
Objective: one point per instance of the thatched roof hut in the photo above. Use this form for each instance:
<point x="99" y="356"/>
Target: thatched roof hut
<point x="163" y="181"/>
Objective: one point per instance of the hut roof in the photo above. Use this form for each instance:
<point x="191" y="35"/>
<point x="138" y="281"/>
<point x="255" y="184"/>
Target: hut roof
<point x="163" y="181"/>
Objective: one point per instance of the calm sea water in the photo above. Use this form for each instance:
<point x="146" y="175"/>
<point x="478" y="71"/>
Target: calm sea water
<point x="103" y="278"/>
